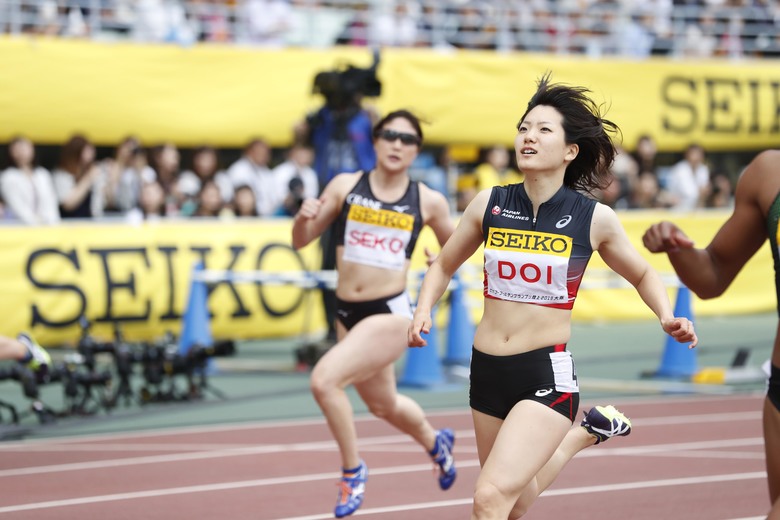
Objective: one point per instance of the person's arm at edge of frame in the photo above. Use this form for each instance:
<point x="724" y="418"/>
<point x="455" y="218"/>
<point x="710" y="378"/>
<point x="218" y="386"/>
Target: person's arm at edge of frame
<point x="316" y="215"/>
<point x="709" y="271"/>
<point x="622" y="257"/>
<point x="461" y="245"/>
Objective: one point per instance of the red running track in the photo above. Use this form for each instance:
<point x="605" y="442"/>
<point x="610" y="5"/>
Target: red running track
<point x="687" y="458"/>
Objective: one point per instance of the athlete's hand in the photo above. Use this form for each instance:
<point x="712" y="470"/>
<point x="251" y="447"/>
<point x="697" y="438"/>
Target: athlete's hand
<point x="310" y="208"/>
<point x="665" y="237"/>
<point x="421" y="324"/>
<point x="681" y="329"/>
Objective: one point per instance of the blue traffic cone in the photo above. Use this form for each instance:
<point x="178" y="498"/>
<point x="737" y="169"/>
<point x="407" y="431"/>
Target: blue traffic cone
<point x="196" y="329"/>
<point x="679" y="361"/>
<point x="460" y="330"/>
<point x="423" y="367"/>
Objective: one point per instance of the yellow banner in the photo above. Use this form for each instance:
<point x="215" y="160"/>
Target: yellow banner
<point x="226" y="95"/>
<point x="139" y="277"/>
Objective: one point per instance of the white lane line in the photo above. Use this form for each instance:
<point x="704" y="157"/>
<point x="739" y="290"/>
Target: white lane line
<point x="554" y="492"/>
<point x="416" y="468"/>
<point x="670" y="401"/>
<point x="330" y="445"/>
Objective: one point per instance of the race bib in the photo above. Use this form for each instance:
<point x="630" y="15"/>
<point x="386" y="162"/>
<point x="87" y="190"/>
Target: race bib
<point x="377" y="237"/>
<point x="527" y="266"/>
<point x="563" y="371"/>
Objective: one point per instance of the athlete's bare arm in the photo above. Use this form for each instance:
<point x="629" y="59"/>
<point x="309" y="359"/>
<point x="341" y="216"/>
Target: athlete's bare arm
<point x="617" y="251"/>
<point x="709" y="271"/>
<point x="316" y="215"/>
<point x="461" y="245"/>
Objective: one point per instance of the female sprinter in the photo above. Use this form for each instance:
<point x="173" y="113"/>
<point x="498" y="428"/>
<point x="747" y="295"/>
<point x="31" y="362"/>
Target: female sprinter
<point x="538" y="237"/>
<point x="378" y="216"/>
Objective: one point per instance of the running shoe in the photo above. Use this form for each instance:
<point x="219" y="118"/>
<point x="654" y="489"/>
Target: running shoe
<point x="37" y="360"/>
<point x="604" y="422"/>
<point x="442" y="456"/>
<point x="351" y="489"/>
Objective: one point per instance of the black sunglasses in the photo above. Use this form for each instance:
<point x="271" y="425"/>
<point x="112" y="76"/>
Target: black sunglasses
<point x="391" y="135"/>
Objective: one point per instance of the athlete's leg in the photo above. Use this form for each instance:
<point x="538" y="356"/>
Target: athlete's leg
<point x="774" y="514"/>
<point x="772" y="448"/>
<point x="383" y="400"/>
<point x="576" y="440"/>
<point x="512" y="453"/>
<point x="366" y="350"/>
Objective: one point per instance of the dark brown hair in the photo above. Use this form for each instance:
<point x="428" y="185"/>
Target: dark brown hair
<point x="584" y="126"/>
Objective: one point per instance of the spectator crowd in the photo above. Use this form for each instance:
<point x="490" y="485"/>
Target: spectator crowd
<point x="694" y="28"/>
<point x="137" y="184"/>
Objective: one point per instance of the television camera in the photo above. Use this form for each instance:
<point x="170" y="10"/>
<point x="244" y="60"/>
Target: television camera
<point x="344" y="86"/>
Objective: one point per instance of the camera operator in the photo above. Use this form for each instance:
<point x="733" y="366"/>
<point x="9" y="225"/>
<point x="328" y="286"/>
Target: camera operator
<point x="296" y="179"/>
<point x="341" y="134"/>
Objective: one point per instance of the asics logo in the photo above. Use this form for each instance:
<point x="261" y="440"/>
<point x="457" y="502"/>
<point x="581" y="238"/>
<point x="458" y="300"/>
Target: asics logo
<point x="563" y="222"/>
<point x="542" y="393"/>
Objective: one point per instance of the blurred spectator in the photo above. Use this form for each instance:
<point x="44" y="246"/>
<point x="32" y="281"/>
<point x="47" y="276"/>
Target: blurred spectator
<point x="646" y="154"/>
<point x="211" y="17"/>
<point x="476" y="27"/>
<point x="646" y="192"/>
<point x="396" y="24"/>
<point x="493" y="170"/>
<point x="163" y="21"/>
<point x="132" y="164"/>
<point x="268" y="21"/>
<point x="433" y="169"/>
<point x="341" y="134"/>
<point x="688" y="181"/>
<point x="252" y="170"/>
<point x="721" y="192"/>
<point x="164" y="160"/>
<point x="355" y="32"/>
<point x="81" y="184"/>
<point x="244" y="202"/>
<point x="636" y="34"/>
<point x="625" y="171"/>
<point x="204" y="167"/>
<point x="295" y="179"/>
<point x="151" y="204"/>
<point x="209" y="201"/>
<point x="28" y="189"/>
<point x="699" y="38"/>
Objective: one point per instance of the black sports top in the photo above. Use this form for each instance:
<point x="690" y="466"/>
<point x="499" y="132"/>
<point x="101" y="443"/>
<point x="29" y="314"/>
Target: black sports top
<point x="536" y="260"/>
<point x="377" y="233"/>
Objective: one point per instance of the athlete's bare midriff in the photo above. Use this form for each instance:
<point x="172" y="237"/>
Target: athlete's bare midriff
<point x="512" y="328"/>
<point x="366" y="282"/>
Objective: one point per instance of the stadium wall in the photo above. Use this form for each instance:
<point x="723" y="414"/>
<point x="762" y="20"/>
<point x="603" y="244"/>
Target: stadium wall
<point x="139" y="277"/>
<point x="224" y="95"/>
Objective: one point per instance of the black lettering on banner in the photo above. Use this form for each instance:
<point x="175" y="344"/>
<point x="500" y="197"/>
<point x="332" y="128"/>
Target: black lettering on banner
<point x="776" y="91"/>
<point x="754" y="113"/>
<point x="113" y="285"/>
<point x="37" y="317"/>
<point x="676" y="101"/>
<point x="240" y="311"/>
<point x="720" y="93"/>
<point x="170" y="313"/>
<point x="278" y="313"/>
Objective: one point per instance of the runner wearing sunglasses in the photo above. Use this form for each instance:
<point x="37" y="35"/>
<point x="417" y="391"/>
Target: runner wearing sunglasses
<point x="378" y="216"/>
